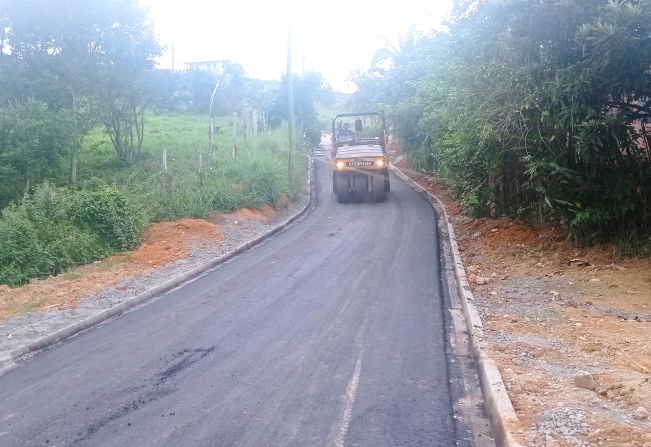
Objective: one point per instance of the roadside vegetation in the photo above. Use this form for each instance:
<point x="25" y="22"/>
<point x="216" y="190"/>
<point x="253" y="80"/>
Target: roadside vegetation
<point x="57" y="227"/>
<point x="540" y="110"/>
<point x="95" y="143"/>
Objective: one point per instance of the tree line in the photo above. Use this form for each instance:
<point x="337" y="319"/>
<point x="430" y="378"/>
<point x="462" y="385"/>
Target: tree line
<point x="533" y="108"/>
<point x="67" y="67"/>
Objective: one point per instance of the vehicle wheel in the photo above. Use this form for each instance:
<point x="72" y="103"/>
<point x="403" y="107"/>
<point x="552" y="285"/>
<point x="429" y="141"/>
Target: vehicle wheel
<point x="378" y="195"/>
<point x="342" y="190"/>
<point x="360" y="186"/>
<point x="387" y="183"/>
<point x="378" y="192"/>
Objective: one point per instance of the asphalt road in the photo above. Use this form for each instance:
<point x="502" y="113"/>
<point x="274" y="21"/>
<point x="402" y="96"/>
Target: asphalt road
<point x="330" y="333"/>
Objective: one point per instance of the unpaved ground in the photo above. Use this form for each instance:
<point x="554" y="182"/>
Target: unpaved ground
<point x="557" y="316"/>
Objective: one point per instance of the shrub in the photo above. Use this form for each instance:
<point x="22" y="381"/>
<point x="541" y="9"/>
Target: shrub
<point x="112" y="216"/>
<point x="57" y="228"/>
<point x="591" y="226"/>
<point x="22" y="253"/>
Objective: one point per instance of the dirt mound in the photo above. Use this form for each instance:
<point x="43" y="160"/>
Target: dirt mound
<point x="163" y="242"/>
<point x="553" y="311"/>
<point x="263" y="214"/>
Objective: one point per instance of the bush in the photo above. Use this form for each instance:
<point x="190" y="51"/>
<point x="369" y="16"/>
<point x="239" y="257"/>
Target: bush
<point x="545" y="121"/>
<point x="591" y="226"/>
<point x="22" y="253"/>
<point x="110" y="214"/>
<point x="57" y="228"/>
<point x="30" y="249"/>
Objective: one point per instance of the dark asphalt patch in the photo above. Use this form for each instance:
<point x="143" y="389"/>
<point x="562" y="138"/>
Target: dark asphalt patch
<point x="186" y="359"/>
<point x="182" y="361"/>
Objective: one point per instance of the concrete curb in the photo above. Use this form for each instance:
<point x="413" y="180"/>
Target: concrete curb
<point x="498" y="405"/>
<point x="9" y="358"/>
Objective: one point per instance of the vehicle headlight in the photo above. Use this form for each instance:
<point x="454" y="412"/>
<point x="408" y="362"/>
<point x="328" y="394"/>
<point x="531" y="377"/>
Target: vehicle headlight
<point x="340" y="164"/>
<point x="380" y="163"/>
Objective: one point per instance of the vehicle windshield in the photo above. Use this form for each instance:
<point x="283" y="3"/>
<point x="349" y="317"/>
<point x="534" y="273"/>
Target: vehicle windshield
<point x="362" y="129"/>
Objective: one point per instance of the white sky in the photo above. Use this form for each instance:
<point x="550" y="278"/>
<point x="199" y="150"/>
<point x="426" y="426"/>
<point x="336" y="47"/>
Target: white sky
<point x="332" y="37"/>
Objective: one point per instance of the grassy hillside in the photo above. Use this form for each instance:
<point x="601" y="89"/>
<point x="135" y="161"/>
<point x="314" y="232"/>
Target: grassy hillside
<point x="57" y="227"/>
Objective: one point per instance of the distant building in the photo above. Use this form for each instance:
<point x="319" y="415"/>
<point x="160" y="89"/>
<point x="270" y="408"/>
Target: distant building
<point x="214" y="67"/>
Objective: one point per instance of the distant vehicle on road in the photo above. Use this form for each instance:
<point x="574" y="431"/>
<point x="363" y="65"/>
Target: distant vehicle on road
<point x="360" y="166"/>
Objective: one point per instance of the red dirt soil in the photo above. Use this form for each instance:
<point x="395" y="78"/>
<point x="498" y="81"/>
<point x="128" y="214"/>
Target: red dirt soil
<point x="163" y="242"/>
<point x="552" y="309"/>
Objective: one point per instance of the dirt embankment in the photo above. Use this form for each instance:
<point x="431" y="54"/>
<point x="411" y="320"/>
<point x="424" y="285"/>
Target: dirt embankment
<point x="163" y="243"/>
<point x="569" y="327"/>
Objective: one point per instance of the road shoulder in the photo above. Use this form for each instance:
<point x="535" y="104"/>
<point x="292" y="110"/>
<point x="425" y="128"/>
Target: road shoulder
<point x="563" y="325"/>
<point x="496" y="401"/>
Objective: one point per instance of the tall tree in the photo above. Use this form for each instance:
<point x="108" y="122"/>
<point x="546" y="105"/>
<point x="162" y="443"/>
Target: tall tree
<point x="310" y="89"/>
<point x="533" y="107"/>
<point x="83" y="49"/>
<point x="32" y="138"/>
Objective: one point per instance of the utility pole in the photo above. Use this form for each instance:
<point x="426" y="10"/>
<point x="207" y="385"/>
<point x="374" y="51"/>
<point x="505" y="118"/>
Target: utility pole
<point x="290" y="100"/>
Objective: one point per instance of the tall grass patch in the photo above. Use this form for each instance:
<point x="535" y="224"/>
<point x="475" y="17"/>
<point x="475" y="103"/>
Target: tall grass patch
<point x="201" y="179"/>
<point x="56" y="228"/>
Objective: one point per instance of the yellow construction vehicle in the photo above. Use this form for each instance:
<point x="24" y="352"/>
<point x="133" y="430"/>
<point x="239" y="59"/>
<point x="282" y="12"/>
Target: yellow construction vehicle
<point x="360" y="166"/>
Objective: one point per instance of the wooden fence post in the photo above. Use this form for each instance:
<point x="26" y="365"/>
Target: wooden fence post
<point x="246" y="114"/>
<point x="234" y="148"/>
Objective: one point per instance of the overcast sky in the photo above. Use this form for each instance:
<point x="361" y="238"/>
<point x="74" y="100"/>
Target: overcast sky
<point x="331" y="37"/>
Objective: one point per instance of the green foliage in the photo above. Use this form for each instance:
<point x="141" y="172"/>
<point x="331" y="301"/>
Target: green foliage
<point x="101" y="51"/>
<point x="191" y="90"/>
<point x="40" y="237"/>
<point x="110" y="214"/>
<point x="32" y="139"/>
<point x="592" y="226"/>
<point x="92" y="62"/>
<point x="56" y="228"/>
<point x="258" y="176"/>
<point x="310" y="90"/>
<point x="247" y="182"/>
<point x="531" y="107"/>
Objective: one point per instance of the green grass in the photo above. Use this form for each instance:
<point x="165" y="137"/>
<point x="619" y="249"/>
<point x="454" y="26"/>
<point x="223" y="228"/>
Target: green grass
<point x="59" y="227"/>
<point x="183" y="136"/>
<point x="190" y="187"/>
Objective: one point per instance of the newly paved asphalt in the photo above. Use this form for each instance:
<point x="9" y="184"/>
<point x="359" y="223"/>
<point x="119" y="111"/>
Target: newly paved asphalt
<point x="329" y="334"/>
